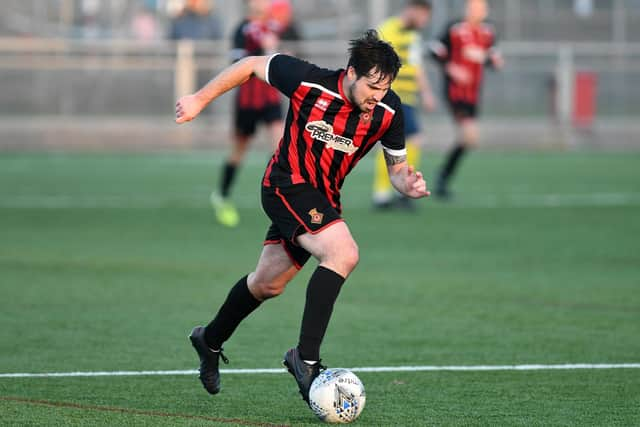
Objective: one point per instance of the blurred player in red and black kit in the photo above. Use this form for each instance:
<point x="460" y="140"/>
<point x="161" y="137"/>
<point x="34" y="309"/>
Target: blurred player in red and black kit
<point x="267" y="23"/>
<point x="464" y="49"/>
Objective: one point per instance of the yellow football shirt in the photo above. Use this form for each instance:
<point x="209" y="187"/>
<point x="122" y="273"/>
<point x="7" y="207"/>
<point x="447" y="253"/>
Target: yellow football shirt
<point x="408" y="45"/>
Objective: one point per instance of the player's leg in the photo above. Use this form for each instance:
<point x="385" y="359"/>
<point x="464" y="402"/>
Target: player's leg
<point x="466" y="138"/>
<point x="244" y="128"/>
<point x="382" y="188"/>
<point x="337" y="253"/>
<point x="245" y="125"/>
<point x="383" y="191"/>
<point x="274" y="270"/>
<point x="241" y="142"/>
<point x="311" y="225"/>
<point x="238" y="151"/>
<point x="309" y="222"/>
<point x="413" y="158"/>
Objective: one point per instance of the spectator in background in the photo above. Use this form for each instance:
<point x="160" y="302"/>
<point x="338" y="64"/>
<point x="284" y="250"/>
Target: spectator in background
<point x="282" y="23"/>
<point x="196" y="22"/>
<point x="144" y="24"/>
<point x="256" y="101"/>
<point x="90" y="19"/>
<point x="464" y="49"/>
<point x="583" y="8"/>
<point x="413" y="88"/>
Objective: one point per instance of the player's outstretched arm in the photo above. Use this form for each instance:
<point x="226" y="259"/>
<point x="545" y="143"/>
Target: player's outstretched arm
<point x="404" y="177"/>
<point x="189" y="106"/>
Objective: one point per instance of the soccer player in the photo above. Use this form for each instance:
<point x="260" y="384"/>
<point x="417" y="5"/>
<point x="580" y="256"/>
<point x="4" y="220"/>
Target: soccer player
<point x="464" y="49"/>
<point x="413" y="88"/>
<point x="255" y="102"/>
<point x="335" y="117"/>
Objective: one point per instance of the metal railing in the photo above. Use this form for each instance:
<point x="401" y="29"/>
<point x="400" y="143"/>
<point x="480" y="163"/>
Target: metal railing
<point x="57" y="79"/>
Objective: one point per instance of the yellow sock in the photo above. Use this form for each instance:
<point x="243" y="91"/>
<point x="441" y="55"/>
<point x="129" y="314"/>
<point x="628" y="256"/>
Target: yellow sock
<point x="382" y="189"/>
<point x="413" y="154"/>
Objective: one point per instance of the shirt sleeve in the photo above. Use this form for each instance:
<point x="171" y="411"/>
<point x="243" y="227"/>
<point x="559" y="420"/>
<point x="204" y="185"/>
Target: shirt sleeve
<point x="415" y="52"/>
<point x="441" y="48"/>
<point x="494" y="34"/>
<point x="285" y="72"/>
<point x="393" y="139"/>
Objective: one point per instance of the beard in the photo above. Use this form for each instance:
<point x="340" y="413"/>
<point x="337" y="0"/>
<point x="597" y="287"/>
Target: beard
<point x="361" y="105"/>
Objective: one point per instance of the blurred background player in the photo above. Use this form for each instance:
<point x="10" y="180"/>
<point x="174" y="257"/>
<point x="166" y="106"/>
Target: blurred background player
<point x="281" y="22"/>
<point x="259" y="33"/>
<point x="413" y="88"/>
<point x="464" y="49"/>
<point x="196" y="21"/>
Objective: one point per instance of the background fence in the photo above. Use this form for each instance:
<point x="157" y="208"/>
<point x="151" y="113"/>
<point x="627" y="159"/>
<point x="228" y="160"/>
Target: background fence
<point x="74" y="71"/>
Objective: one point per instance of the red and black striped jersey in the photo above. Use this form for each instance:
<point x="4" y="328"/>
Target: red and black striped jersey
<point x="468" y="46"/>
<point x="325" y="135"/>
<point x="254" y="94"/>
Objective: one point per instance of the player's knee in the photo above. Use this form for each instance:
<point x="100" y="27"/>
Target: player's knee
<point x="470" y="136"/>
<point x="271" y="291"/>
<point x="471" y="141"/>
<point x="264" y="288"/>
<point x="349" y="256"/>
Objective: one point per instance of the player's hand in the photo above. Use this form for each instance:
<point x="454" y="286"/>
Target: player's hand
<point x="415" y="184"/>
<point x="428" y="102"/>
<point x="459" y="74"/>
<point x="497" y="61"/>
<point x="187" y="108"/>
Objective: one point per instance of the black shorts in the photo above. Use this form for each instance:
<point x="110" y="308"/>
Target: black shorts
<point x="246" y="120"/>
<point x="463" y="110"/>
<point x="295" y="210"/>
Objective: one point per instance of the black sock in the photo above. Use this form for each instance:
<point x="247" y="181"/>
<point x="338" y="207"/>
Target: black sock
<point x="228" y="175"/>
<point x="322" y="291"/>
<point x="238" y="305"/>
<point x="453" y="159"/>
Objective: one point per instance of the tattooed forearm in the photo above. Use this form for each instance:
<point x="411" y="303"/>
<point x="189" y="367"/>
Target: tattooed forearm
<point x="394" y="160"/>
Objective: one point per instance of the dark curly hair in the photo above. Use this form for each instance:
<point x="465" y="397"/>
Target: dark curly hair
<point x="369" y="55"/>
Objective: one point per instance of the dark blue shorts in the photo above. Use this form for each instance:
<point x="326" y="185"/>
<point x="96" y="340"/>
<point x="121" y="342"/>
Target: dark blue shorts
<point x="411" y="124"/>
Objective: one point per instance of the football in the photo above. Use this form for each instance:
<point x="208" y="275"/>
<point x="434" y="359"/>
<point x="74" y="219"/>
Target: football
<point x="337" y="396"/>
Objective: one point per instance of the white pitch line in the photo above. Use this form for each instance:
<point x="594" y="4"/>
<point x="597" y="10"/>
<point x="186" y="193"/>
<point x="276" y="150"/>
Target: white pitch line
<point x="477" y="368"/>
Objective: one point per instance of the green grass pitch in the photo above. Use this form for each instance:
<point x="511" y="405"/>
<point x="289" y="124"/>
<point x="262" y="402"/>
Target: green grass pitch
<point x="108" y="260"/>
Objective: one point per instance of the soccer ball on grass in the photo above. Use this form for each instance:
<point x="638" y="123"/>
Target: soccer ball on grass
<point x="337" y="396"/>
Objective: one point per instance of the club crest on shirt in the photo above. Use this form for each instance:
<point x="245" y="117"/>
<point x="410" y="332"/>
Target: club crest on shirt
<point x="322" y="104"/>
<point x="316" y="217"/>
<point x="323" y="131"/>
